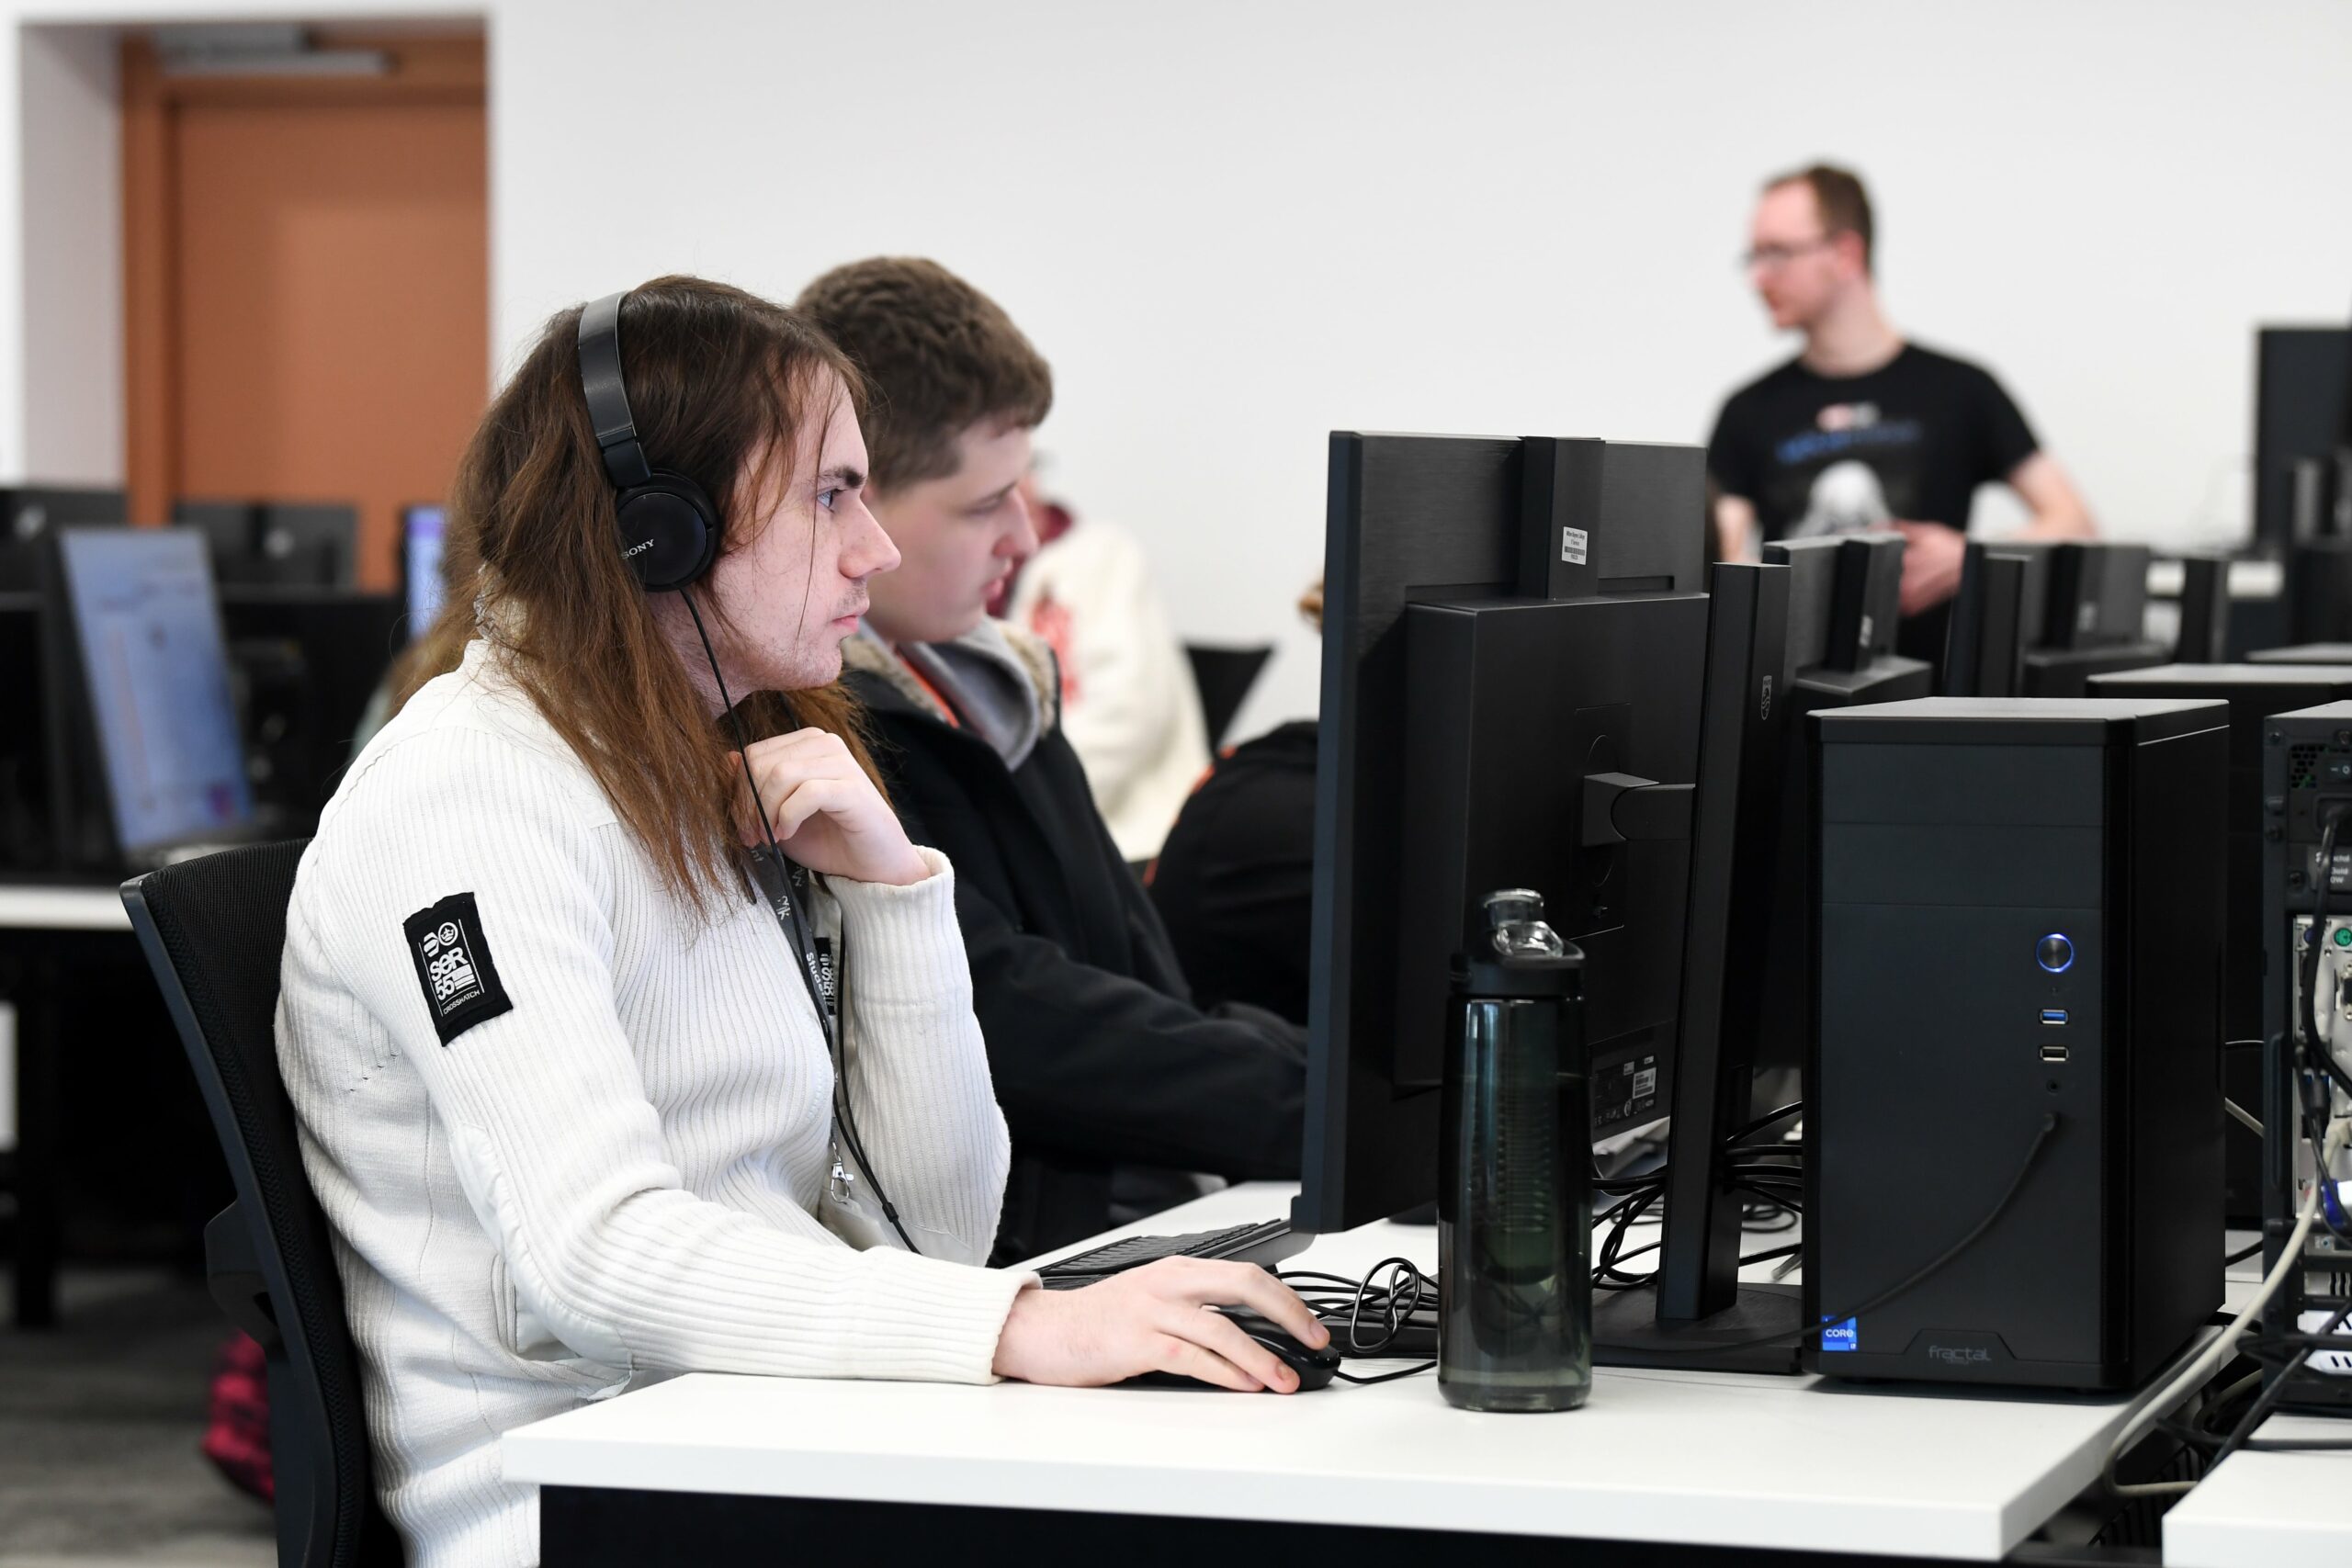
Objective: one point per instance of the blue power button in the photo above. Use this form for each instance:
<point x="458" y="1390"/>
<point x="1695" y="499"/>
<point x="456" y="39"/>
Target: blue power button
<point x="2055" y="953"/>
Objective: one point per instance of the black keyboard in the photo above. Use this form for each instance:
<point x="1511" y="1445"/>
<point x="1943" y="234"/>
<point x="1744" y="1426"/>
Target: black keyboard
<point x="1268" y="1241"/>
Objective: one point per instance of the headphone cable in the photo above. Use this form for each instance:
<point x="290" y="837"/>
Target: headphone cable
<point x="841" y="1024"/>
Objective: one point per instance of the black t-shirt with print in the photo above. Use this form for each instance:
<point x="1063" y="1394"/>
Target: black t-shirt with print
<point x="1907" y="443"/>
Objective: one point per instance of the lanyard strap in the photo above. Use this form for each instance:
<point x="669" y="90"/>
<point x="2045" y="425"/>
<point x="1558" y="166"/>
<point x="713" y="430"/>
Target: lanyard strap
<point x="785" y="890"/>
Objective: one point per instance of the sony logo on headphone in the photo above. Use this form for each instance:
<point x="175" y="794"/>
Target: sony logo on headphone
<point x="638" y="549"/>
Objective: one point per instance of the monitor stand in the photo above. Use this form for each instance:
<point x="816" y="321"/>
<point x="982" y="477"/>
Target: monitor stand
<point x="1626" y="1332"/>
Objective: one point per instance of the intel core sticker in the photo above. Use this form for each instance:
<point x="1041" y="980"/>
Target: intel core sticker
<point x="1841" y="1336"/>
<point x="1572" y="545"/>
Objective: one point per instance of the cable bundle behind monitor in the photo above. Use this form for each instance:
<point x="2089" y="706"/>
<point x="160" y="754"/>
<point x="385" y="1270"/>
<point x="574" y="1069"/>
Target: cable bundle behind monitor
<point x="1768" y="1176"/>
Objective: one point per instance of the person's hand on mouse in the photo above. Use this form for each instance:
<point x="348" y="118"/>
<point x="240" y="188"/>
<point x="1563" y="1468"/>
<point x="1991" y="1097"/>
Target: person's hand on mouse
<point x="1155" y="1319"/>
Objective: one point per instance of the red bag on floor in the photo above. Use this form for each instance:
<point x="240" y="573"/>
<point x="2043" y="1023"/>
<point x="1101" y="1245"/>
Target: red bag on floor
<point x="236" y="1433"/>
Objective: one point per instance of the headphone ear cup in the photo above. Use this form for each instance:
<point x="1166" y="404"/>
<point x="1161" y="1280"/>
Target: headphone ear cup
<point x="669" y="531"/>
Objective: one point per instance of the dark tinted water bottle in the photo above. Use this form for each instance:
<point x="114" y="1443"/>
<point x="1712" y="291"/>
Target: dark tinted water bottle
<point x="1515" y="1193"/>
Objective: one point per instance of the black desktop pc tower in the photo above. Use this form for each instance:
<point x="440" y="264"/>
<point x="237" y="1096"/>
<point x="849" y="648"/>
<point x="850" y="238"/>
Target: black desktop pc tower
<point x="2254" y="692"/>
<point x="2306" y="782"/>
<point x="2014" y="1123"/>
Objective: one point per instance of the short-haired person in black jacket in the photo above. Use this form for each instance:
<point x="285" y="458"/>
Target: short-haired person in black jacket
<point x="1114" y="1085"/>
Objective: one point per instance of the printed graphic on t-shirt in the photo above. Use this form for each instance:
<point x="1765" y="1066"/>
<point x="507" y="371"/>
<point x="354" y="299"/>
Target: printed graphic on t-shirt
<point x="1907" y="443"/>
<point x="454" y="965"/>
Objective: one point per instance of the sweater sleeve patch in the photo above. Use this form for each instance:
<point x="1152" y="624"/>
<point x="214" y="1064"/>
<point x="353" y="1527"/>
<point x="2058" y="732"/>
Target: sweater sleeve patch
<point x="454" y="966"/>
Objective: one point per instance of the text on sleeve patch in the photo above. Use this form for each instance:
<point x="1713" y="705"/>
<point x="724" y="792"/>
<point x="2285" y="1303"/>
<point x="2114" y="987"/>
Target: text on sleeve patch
<point x="454" y="965"/>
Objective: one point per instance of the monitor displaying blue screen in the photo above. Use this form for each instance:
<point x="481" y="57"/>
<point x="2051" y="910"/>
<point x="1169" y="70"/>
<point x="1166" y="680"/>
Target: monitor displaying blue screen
<point x="148" y="627"/>
<point x="420" y="564"/>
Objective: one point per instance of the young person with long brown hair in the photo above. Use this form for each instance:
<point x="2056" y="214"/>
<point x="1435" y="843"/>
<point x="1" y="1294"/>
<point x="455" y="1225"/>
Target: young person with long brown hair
<point x="574" y="1116"/>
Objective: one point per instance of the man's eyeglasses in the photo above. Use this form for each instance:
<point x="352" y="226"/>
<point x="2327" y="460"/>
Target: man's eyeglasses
<point x="1773" y="258"/>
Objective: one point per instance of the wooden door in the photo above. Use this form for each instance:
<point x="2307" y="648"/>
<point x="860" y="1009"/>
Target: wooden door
<point x="307" y="283"/>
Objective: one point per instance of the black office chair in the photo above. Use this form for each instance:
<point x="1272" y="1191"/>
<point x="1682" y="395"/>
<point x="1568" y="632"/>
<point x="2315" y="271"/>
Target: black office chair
<point x="212" y="930"/>
<point x="1223" y="676"/>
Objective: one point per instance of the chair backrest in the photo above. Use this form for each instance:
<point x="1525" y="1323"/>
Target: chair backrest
<point x="213" y="929"/>
<point x="1223" y="676"/>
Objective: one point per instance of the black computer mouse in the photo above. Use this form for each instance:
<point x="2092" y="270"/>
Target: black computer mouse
<point x="1314" y="1367"/>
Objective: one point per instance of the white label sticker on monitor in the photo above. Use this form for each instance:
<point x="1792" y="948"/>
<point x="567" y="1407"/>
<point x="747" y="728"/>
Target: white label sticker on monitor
<point x="1572" y="545"/>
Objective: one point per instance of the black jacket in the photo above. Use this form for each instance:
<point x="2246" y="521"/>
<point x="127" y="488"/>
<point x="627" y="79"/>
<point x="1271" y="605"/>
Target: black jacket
<point x="1235" y="883"/>
<point x="1099" y="1055"/>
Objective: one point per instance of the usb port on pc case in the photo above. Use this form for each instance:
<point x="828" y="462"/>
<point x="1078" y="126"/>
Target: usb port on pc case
<point x="2053" y="1015"/>
<point x="2054" y="1052"/>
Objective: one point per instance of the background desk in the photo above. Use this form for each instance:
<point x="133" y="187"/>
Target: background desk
<point x="2262" y="1510"/>
<point x="52" y="941"/>
<point x="695" y="1468"/>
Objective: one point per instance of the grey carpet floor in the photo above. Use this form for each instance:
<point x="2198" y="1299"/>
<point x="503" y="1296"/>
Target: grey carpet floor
<point x="100" y="1422"/>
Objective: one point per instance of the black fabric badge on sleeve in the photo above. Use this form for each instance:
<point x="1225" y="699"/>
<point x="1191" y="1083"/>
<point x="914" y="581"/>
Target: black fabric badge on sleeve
<point x="454" y="965"/>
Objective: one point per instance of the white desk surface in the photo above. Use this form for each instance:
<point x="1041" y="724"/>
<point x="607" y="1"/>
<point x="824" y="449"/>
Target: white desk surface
<point x="2264" y="1510"/>
<point x="69" y="908"/>
<point x="1701" y="1458"/>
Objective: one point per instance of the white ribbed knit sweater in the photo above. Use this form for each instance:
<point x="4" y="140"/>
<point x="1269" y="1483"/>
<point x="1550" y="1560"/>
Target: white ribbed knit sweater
<point x="623" y="1177"/>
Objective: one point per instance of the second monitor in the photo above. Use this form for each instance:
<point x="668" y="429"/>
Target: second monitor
<point x="1523" y="687"/>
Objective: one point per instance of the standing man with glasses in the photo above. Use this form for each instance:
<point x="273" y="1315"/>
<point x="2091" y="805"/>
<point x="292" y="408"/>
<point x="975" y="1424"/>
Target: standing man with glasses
<point x="1863" y="429"/>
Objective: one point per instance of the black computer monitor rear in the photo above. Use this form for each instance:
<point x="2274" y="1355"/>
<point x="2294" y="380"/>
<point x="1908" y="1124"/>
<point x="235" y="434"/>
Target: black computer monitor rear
<point x="1513" y="668"/>
<point x="2302" y="417"/>
<point x="307" y="660"/>
<point x="28" y="837"/>
<point x="276" y="544"/>
<point x="2001" y="594"/>
<point x="2094" y="618"/>
<point x="32" y="512"/>
<point x="1843" y="594"/>
<point x="1438" y="522"/>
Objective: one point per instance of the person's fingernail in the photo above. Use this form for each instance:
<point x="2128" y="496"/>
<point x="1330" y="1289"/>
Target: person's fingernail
<point x="1319" y="1336"/>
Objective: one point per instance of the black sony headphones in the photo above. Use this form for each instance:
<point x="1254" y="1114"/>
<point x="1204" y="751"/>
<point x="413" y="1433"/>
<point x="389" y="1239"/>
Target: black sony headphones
<point x="669" y="529"/>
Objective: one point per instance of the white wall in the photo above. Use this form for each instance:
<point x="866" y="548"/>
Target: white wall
<point x="1233" y="227"/>
<point x="72" y="350"/>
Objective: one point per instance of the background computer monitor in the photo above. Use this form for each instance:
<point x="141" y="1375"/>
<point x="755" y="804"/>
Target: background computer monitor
<point x="2098" y="597"/>
<point x="1813" y="584"/>
<point x="1843" y="607"/>
<point x="306" y="660"/>
<point x="1437" y="522"/>
<point x="27" y="841"/>
<point x="143" y="668"/>
<point x="1519" y="686"/>
<point x="422" y="528"/>
<point x="30" y="512"/>
<point x="2203" y="635"/>
<point x="2081" y="609"/>
<point x="2302" y="415"/>
<point x="2001" y="592"/>
<point x="309" y="545"/>
<point x="227" y="527"/>
<point x="276" y="544"/>
<point x="2094" y="618"/>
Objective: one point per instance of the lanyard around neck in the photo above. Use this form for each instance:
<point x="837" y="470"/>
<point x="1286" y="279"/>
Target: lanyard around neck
<point x="783" y="884"/>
